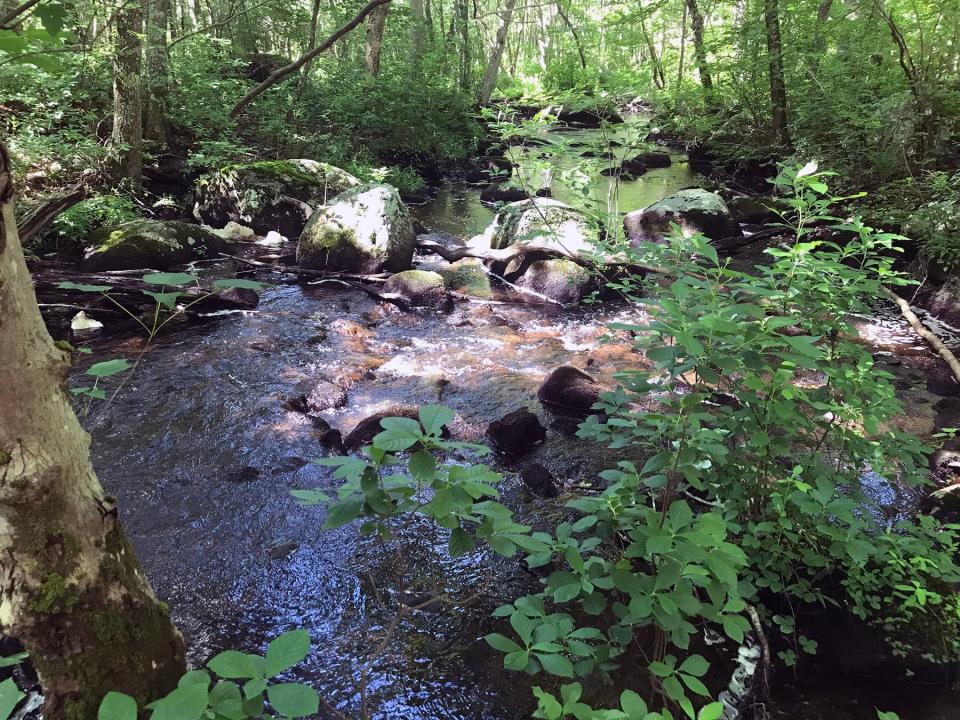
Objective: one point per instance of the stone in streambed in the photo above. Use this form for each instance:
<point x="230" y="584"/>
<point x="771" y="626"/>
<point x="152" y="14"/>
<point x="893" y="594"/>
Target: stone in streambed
<point x="516" y="433"/>
<point x="559" y="279"/>
<point x="694" y="210"/>
<point x="570" y="391"/>
<point x="421" y="288"/>
<point x="367" y="229"/>
<point x="153" y="244"/>
<point x="540" y="481"/>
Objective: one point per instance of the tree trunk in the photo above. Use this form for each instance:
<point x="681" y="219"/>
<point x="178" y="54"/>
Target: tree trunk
<point x="375" y="28"/>
<point x="655" y="66"/>
<point x="683" y="44"/>
<point x="126" y="153"/>
<point x="778" y="88"/>
<point x="700" y="49"/>
<point x="156" y="104"/>
<point x="463" y="20"/>
<point x="71" y="588"/>
<point x="489" y="81"/>
<point x="573" y="31"/>
<point x="418" y="27"/>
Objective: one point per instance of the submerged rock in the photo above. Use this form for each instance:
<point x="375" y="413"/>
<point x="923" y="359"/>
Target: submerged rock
<point x="154" y="244"/>
<point x="516" y="433"/>
<point x="365" y="229"/>
<point x="540" y="481"/>
<point x="316" y="396"/>
<point x="271" y="195"/>
<point x="422" y="288"/>
<point x="569" y="391"/>
<point x="559" y="279"/>
<point x="693" y="210"/>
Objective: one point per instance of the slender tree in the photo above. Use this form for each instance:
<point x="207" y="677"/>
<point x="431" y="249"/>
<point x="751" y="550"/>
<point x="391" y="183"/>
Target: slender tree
<point x="71" y="588"/>
<point x="126" y="153"/>
<point x="778" y="87"/>
<point x="376" y="25"/>
<point x="700" y="48"/>
<point x="157" y="80"/>
<point x="489" y="81"/>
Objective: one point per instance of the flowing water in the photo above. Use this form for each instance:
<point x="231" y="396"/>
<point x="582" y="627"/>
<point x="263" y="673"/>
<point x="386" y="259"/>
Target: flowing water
<point x="202" y="456"/>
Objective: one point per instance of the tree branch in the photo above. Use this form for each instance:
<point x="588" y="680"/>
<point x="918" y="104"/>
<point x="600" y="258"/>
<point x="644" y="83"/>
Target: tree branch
<point x="278" y="75"/>
<point x="16" y="12"/>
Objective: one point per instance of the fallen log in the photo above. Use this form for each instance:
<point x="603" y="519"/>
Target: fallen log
<point x="36" y="220"/>
<point x="920" y="329"/>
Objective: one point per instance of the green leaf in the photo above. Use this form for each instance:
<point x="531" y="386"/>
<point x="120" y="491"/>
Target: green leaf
<point x="695" y="665"/>
<point x="116" y="706"/>
<point x="713" y="711"/>
<point x="633" y="705"/>
<point x="434" y="417"/>
<point x="52" y="16"/>
<point x="501" y="643"/>
<point x="460" y="542"/>
<point x="294" y="700"/>
<point x="184" y="703"/>
<point x="107" y="368"/>
<point x="10" y="696"/>
<point x="286" y="651"/>
<point x="342" y="513"/>
<point x="242" y="283"/>
<point x="15" y="659"/>
<point x="83" y="287"/>
<point x="169" y="278"/>
<point x="165" y="299"/>
<point x="556" y="664"/>
<point x="398" y="434"/>
<point x="311" y="497"/>
<point x="254" y="688"/>
<point x="233" y="664"/>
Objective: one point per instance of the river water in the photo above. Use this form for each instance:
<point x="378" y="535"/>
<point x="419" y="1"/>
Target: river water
<point x="202" y="456"/>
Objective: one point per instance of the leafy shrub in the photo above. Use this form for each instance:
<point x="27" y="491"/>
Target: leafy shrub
<point x="72" y="228"/>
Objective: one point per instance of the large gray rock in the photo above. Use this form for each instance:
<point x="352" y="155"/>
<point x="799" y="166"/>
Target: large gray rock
<point x="271" y="195"/>
<point x="154" y="244"/>
<point x="365" y="229"/>
<point x="693" y="210"/>
<point x="422" y="288"/>
<point x="542" y="222"/>
<point x="559" y="279"/>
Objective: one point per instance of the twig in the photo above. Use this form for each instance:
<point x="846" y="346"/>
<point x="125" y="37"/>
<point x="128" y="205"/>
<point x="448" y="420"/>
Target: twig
<point x="921" y="330"/>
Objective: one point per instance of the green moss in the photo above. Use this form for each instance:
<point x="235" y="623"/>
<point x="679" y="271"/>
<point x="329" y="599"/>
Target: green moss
<point x="4" y="457"/>
<point x="55" y="595"/>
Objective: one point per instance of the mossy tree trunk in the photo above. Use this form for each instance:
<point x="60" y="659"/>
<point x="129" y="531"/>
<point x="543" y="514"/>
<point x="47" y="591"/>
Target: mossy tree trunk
<point x="156" y="106"/>
<point x="374" y="43"/>
<point x="778" y="86"/>
<point x="71" y="588"/>
<point x="700" y="49"/>
<point x="126" y="153"/>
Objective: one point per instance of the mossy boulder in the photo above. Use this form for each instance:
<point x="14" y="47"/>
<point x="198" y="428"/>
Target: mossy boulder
<point x="545" y="223"/>
<point x="422" y="288"/>
<point x="468" y="277"/>
<point x="559" y="279"/>
<point x="365" y="229"/>
<point x="154" y="244"/>
<point x="694" y="210"/>
<point x="271" y="195"/>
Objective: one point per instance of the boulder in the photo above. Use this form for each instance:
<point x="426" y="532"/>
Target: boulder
<point x="943" y="504"/>
<point x="154" y="244"/>
<point x="569" y="391"/>
<point x="422" y="288"/>
<point x="542" y="222"/>
<point x="588" y="117"/>
<point x="365" y="229"/>
<point x="516" y="433"/>
<point x="317" y="395"/>
<point x="468" y="277"/>
<point x="499" y="192"/>
<point x="693" y="210"/>
<point x="271" y="195"/>
<point x="559" y="279"/>
<point x="653" y="159"/>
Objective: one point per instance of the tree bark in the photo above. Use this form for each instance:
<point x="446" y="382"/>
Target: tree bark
<point x="700" y="49"/>
<point x="418" y="26"/>
<point x="573" y="31"/>
<point x="71" y="588"/>
<point x="376" y="26"/>
<point x="778" y="88"/>
<point x="656" y="67"/>
<point x="126" y="153"/>
<point x="683" y="44"/>
<point x="489" y="81"/>
<point x="463" y="25"/>
<point x="156" y="105"/>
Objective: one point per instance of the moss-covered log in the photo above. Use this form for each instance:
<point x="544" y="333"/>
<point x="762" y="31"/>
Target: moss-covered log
<point x="71" y="587"/>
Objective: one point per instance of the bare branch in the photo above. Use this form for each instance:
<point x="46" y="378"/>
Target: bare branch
<point x="278" y="75"/>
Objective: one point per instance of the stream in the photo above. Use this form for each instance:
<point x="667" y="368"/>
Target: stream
<point x="202" y="456"/>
